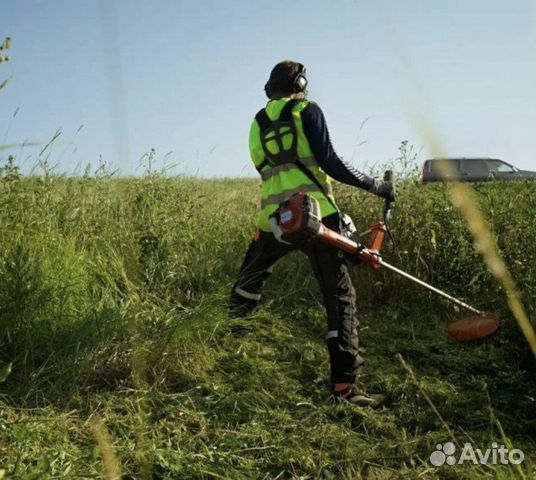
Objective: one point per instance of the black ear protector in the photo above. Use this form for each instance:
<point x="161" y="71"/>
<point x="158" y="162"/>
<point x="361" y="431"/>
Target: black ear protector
<point x="299" y="82"/>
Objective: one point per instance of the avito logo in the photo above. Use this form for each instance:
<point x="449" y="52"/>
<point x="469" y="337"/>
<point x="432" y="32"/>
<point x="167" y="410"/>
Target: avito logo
<point x="496" y="455"/>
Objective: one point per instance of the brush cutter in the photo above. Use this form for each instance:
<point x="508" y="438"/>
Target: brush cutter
<point x="299" y="220"/>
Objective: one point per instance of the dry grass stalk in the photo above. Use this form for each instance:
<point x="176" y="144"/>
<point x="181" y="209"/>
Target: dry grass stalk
<point x="111" y="464"/>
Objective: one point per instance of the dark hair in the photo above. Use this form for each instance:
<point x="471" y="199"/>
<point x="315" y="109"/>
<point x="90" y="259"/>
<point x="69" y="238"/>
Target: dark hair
<point x="282" y="77"/>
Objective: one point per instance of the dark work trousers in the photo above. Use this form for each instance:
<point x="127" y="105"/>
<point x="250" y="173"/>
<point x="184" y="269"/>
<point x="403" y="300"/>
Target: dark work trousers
<point x="331" y="271"/>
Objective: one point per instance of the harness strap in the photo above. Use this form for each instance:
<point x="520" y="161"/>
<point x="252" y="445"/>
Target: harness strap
<point x="286" y="116"/>
<point x="264" y="122"/>
<point x="286" y="113"/>
<point x="263" y="164"/>
<point x="313" y="179"/>
<point x="263" y="119"/>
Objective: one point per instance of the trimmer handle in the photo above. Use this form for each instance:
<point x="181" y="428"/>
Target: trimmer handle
<point x="388" y="176"/>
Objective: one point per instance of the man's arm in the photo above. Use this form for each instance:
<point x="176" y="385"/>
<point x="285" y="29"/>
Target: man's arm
<point x="316" y="131"/>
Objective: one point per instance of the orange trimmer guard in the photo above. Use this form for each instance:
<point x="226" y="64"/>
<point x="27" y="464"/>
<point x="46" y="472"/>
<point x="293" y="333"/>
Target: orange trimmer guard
<point x="474" y="328"/>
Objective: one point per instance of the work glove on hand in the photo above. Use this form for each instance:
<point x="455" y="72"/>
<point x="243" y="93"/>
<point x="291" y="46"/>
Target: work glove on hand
<point x="384" y="189"/>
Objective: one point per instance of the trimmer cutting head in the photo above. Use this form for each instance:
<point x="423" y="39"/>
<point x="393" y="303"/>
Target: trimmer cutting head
<point x="474" y="328"/>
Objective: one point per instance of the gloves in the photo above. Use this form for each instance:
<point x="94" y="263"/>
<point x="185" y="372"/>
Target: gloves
<point x="384" y="189"/>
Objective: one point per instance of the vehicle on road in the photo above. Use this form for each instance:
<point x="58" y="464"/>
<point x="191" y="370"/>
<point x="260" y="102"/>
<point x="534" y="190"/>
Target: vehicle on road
<point x="472" y="170"/>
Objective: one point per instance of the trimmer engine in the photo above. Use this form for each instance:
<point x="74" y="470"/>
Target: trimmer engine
<point x="297" y="220"/>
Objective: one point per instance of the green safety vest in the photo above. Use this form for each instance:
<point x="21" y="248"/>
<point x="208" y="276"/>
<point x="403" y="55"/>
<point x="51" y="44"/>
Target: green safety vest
<point x="281" y="181"/>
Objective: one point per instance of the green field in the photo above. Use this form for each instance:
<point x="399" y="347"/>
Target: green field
<point x="113" y="306"/>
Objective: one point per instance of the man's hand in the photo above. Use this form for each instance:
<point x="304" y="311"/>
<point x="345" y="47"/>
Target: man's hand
<point x="384" y="188"/>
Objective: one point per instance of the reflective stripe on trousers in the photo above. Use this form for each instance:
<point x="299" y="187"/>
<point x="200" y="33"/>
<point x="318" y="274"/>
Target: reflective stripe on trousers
<point x="248" y="295"/>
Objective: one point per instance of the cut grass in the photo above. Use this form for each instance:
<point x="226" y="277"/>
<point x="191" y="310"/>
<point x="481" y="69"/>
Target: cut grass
<point x="258" y="408"/>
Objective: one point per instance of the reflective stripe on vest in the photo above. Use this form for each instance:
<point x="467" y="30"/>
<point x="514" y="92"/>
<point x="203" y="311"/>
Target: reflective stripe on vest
<point x="279" y="198"/>
<point x="268" y="173"/>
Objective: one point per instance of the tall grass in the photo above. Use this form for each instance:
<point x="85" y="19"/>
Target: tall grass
<point x="90" y="253"/>
<point x="113" y="302"/>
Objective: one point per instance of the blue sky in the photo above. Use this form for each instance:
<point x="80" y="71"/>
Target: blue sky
<point x="186" y="77"/>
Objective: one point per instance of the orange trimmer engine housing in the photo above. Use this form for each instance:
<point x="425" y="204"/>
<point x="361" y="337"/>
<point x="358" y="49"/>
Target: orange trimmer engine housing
<point x="299" y="220"/>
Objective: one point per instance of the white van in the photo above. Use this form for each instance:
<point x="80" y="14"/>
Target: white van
<point x="471" y="170"/>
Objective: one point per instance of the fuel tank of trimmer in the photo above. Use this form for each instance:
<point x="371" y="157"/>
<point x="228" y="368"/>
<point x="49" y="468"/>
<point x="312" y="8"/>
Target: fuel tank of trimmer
<point x="298" y="219"/>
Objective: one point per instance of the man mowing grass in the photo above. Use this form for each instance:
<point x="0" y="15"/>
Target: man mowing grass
<point x="291" y="149"/>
